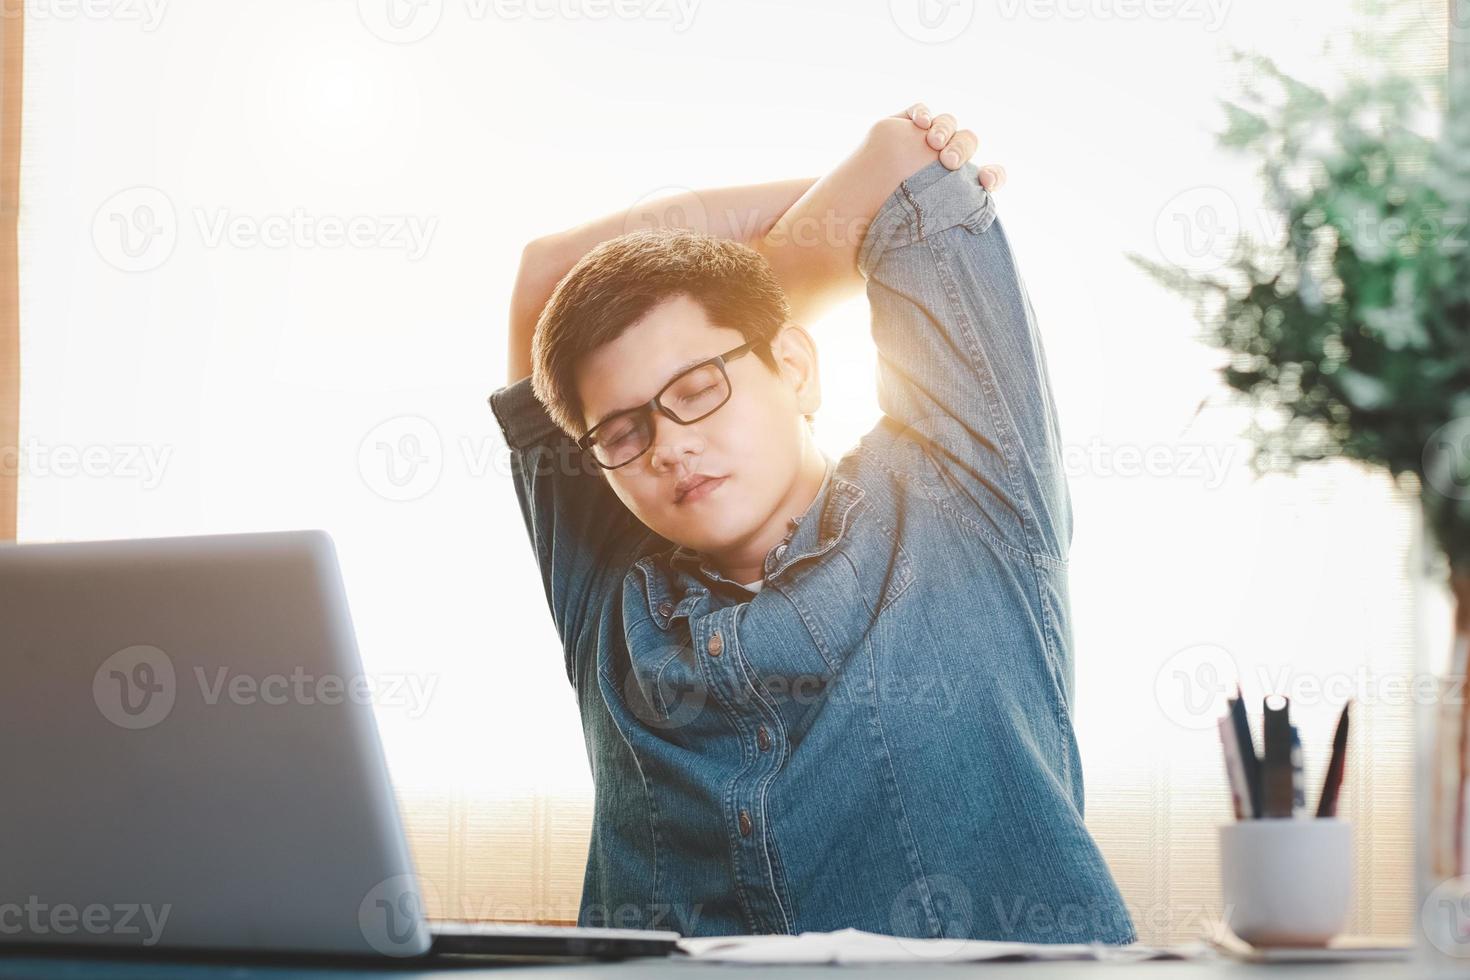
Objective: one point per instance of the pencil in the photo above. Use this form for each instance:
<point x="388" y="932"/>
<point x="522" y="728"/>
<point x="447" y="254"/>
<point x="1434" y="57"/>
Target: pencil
<point x="1332" y="785"/>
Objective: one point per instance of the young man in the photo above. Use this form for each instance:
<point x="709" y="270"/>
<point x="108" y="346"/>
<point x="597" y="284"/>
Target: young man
<point x="816" y="693"/>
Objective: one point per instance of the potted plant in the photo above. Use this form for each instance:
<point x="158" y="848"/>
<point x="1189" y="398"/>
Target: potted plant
<point x="1348" y="328"/>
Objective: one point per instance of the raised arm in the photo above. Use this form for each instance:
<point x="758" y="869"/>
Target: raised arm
<point x="743" y="214"/>
<point x="808" y="229"/>
<point x="813" y="247"/>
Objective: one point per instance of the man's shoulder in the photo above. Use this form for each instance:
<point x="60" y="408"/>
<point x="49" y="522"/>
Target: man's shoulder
<point x="894" y="459"/>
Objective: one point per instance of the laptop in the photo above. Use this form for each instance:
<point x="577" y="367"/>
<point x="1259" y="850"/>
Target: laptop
<point x="190" y="762"/>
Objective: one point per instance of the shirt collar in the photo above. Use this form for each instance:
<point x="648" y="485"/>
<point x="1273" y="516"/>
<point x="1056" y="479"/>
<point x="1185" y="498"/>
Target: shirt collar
<point x="672" y="575"/>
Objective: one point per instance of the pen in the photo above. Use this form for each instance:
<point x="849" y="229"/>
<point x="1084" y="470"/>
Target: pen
<point x="1276" y="769"/>
<point x="1298" y="780"/>
<point x="1332" y="785"/>
<point x="1250" y="763"/>
<point x="1234" y="770"/>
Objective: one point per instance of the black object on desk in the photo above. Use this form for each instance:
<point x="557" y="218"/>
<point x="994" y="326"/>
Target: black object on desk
<point x="1327" y="804"/>
<point x="1276" y="770"/>
<point x="1248" y="758"/>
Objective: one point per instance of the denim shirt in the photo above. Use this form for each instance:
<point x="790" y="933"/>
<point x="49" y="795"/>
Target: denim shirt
<point x="881" y="737"/>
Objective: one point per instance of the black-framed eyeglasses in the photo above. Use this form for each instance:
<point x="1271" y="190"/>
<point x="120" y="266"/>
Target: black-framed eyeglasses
<point x="695" y="393"/>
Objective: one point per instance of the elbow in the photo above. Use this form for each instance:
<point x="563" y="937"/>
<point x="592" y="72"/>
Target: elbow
<point x="542" y="265"/>
<point x="541" y="254"/>
<point x="544" y="261"/>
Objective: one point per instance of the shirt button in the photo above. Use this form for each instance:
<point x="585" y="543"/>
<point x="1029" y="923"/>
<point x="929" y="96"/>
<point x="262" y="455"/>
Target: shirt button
<point x="666" y="609"/>
<point x="715" y="645"/>
<point x="780" y="550"/>
<point x="762" y="739"/>
<point x="744" y="824"/>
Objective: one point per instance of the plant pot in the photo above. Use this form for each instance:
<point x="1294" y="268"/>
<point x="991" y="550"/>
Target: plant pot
<point x="1443" y="788"/>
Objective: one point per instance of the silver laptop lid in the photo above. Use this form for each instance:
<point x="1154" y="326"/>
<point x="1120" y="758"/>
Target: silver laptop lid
<point x="189" y="758"/>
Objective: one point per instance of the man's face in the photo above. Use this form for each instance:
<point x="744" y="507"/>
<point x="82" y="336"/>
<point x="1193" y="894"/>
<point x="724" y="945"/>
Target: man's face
<point x="752" y="445"/>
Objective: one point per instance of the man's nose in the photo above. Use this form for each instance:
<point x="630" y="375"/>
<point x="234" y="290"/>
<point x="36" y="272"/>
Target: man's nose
<point x="672" y="441"/>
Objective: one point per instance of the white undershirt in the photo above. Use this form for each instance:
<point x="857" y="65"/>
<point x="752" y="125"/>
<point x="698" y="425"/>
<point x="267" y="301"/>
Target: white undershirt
<point x="753" y="586"/>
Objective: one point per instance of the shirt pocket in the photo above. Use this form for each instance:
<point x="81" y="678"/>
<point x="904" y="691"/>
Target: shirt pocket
<point x="659" y="681"/>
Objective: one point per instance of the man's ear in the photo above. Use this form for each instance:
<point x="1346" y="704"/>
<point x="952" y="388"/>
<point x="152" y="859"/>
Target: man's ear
<point x="795" y="354"/>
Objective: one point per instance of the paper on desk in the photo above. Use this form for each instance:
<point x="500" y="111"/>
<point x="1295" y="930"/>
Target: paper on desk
<point x="857" y="946"/>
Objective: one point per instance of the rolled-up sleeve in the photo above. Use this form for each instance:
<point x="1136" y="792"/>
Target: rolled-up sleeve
<point x="523" y="420"/>
<point x="961" y="366"/>
<point x="584" y="538"/>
